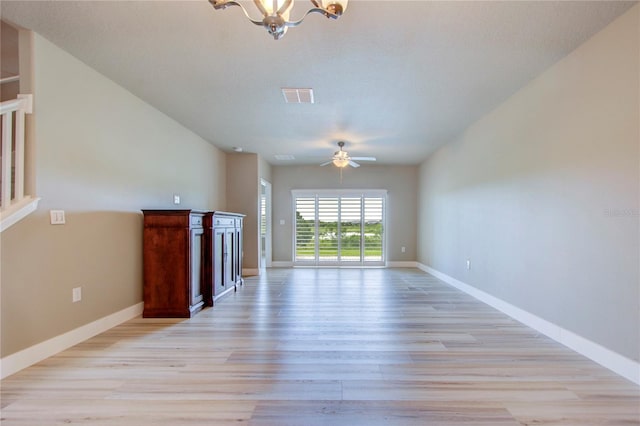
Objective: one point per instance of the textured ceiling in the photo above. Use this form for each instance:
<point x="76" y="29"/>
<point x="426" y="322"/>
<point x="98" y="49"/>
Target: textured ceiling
<point x="393" y="79"/>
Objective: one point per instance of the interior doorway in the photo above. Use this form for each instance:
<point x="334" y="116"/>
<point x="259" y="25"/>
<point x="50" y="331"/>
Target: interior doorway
<point x="265" y="225"/>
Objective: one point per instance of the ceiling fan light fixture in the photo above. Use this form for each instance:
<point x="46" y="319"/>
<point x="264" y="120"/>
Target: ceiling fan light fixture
<point x="341" y="162"/>
<point x="276" y="13"/>
<point x="341" y="158"/>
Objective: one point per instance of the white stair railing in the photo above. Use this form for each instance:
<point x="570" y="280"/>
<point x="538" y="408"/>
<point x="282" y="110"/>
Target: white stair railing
<point x="14" y="203"/>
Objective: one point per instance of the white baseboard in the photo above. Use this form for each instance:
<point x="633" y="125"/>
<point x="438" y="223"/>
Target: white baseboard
<point x="391" y="264"/>
<point x="13" y="363"/>
<point x="615" y="362"/>
<point x="276" y="264"/>
<point x="402" y="264"/>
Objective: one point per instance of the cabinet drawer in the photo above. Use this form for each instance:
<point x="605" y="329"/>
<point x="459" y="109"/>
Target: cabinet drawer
<point x="196" y="221"/>
<point x="223" y="221"/>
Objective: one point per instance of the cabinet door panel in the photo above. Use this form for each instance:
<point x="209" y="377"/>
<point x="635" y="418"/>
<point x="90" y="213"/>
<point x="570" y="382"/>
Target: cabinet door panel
<point x="229" y="278"/>
<point x="173" y="250"/>
<point x="238" y="254"/>
<point x="196" y="266"/>
<point x="218" y="264"/>
<point x="164" y="269"/>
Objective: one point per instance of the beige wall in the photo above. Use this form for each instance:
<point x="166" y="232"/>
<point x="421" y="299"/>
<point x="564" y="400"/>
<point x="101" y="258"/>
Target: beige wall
<point x="400" y="181"/>
<point x="244" y="171"/>
<point x="542" y="195"/>
<point x="242" y="197"/>
<point x="102" y="155"/>
<point x="9" y="63"/>
<point x="264" y="169"/>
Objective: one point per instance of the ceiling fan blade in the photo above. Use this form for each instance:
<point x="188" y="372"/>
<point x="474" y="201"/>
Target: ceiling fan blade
<point x="353" y="164"/>
<point x="364" y="158"/>
<point x="326" y="164"/>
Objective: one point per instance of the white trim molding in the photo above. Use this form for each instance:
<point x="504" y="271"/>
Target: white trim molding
<point x="280" y="264"/>
<point x="339" y="192"/>
<point x="389" y="264"/>
<point x="402" y="264"/>
<point x="609" y="359"/>
<point x="13" y="363"/>
<point x="18" y="211"/>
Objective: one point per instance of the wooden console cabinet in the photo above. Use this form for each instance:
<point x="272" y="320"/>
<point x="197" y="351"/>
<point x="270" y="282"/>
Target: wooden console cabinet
<point x="223" y="232"/>
<point x="191" y="258"/>
<point x="174" y="263"/>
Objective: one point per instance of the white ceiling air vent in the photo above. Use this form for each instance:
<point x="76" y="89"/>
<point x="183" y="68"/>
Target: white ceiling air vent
<point x="297" y="96"/>
<point x="284" y="157"/>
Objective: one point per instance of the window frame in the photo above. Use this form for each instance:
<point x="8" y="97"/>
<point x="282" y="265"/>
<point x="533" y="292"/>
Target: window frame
<point x="339" y="194"/>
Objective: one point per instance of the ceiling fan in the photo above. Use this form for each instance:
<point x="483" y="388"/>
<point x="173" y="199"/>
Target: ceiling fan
<point x="341" y="158"/>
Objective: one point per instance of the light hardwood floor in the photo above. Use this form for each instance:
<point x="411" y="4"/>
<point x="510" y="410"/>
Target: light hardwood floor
<point x="324" y="347"/>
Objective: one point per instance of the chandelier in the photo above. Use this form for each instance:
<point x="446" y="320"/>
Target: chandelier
<point x="275" y="13"/>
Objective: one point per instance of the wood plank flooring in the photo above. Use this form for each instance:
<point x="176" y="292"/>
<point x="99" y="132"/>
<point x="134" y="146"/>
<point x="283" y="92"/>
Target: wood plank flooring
<point x="324" y="347"/>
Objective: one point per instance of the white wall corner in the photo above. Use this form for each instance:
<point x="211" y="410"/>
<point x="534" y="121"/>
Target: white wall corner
<point x="13" y="363"/>
<point x="621" y="365"/>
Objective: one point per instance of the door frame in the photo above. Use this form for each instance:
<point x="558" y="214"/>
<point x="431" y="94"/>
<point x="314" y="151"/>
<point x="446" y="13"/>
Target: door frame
<point x="267" y="255"/>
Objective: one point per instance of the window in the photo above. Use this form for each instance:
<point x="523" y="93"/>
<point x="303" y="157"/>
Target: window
<point x="339" y="227"/>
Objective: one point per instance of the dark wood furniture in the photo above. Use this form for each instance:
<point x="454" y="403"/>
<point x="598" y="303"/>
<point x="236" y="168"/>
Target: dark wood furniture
<point x="223" y="232"/>
<point x="174" y="260"/>
<point x="191" y="258"/>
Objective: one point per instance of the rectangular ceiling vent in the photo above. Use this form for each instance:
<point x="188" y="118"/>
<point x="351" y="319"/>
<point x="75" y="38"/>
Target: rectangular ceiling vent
<point x="297" y="96"/>
<point x="284" y="157"/>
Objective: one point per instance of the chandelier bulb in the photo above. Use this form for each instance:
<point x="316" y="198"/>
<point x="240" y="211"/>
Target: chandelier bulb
<point x="335" y="9"/>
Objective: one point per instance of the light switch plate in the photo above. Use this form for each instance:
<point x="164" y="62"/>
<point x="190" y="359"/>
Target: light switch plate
<point x="57" y="217"/>
<point x="176" y="199"/>
<point x="76" y="295"/>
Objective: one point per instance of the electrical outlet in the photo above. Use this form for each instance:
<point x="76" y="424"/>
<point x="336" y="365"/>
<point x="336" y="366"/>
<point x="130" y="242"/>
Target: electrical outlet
<point x="176" y="199"/>
<point x="76" y="294"/>
<point x="281" y="221"/>
<point x="57" y="217"/>
<point x="468" y="264"/>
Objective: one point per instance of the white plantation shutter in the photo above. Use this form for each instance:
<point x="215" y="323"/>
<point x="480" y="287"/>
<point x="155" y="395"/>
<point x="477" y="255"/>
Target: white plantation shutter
<point x="328" y="216"/>
<point x="373" y="219"/>
<point x="351" y="229"/>
<point x="305" y="228"/>
<point x="339" y="227"/>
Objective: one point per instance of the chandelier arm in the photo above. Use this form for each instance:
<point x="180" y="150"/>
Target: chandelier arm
<point x="217" y="4"/>
<point x="310" y="11"/>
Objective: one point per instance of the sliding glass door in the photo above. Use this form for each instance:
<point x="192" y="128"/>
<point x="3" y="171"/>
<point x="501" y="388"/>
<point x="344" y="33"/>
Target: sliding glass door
<point x="339" y="228"/>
